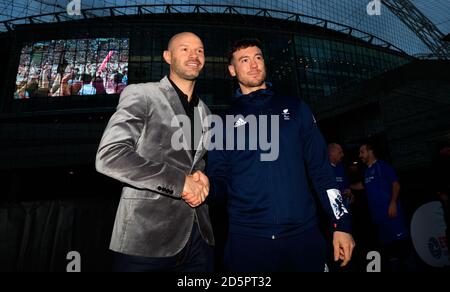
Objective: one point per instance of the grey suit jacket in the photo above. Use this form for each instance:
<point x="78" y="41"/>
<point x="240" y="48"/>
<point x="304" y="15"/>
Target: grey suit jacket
<point x="152" y="220"/>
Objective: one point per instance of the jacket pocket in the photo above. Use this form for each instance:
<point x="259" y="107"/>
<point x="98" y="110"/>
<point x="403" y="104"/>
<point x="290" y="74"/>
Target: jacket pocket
<point x="130" y="193"/>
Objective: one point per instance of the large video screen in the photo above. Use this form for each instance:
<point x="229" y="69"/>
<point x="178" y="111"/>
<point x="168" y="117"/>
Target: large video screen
<point x="72" y="67"/>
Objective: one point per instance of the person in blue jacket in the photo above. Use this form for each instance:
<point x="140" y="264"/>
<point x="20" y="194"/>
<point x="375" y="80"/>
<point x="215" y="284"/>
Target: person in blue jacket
<point x="383" y="190"/>
<point x="271" y="211"/>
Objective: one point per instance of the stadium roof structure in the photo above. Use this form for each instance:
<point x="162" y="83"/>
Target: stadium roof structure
<point x="416" y="27"/>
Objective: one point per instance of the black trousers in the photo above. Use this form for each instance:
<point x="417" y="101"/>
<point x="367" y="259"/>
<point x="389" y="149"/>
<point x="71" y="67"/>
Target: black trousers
<point x="305" y="252"/>
<point x="196" y="256"/>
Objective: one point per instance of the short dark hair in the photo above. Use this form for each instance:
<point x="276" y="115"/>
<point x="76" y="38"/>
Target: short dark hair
<point x="86" y="78"/>
<point x="243" y="44"/>
<point x="371" y="146"/>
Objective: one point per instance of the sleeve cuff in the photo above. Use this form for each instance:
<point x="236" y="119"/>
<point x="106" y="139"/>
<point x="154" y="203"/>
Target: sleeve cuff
<point x="344" y="224"/>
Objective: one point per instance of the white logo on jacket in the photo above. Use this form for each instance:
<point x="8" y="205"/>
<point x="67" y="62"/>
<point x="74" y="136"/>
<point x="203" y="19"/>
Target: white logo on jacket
<point x="286" y="114"/>
<point x="336" y="203"/>
<point x="240" y="122"/>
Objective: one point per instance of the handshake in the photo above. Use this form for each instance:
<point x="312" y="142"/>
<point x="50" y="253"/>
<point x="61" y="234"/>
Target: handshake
<point x="196" y="189"/>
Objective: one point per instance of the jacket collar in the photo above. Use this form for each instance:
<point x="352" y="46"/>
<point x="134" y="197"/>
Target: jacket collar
<point x="258" y="97"/>
<point x="172" y="96"/>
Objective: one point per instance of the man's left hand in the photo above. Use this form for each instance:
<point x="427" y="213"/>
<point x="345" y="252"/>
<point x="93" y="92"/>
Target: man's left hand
<point x="392" y="211"/>
<point x="343" y="244"/>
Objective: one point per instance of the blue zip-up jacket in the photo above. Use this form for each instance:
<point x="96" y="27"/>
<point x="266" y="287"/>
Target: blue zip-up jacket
<point x="272" y="198"/>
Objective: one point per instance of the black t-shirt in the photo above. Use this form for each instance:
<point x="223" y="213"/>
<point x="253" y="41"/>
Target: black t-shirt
<point x="190" y="109"/>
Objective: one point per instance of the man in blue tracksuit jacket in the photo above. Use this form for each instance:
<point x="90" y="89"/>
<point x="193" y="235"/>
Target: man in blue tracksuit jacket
<point x="272" y="214"/>
<point x="336" y="154"/>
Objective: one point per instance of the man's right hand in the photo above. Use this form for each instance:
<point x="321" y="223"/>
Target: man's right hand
<point x="195" y="190"/>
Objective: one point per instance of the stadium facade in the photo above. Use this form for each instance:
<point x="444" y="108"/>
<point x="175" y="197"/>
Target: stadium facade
<point x="359" y="73"/>
<point x="310" y="57"/>
<point x="324" y="53"/>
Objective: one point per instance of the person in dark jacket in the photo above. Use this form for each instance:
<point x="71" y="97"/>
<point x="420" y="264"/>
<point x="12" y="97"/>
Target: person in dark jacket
<point x="271" y="211"/>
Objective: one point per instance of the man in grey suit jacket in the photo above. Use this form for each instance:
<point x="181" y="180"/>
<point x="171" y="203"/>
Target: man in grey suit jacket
<point x="161" y="222"/>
